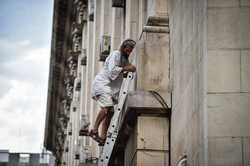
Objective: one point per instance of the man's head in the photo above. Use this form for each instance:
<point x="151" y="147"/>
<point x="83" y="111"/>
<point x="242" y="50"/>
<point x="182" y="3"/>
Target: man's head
<point x="127" y="46"/>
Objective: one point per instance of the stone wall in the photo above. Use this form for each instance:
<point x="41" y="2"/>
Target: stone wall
<point x="152" y="55"/>
<point x="188" y="57"/>
<point x="228" y="82"/>
<point x="146" y="148"/>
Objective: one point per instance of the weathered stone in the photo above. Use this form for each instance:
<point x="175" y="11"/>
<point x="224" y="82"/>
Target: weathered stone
<point x="225" y="152"/>
<point x="148" y="148"/>
<point x="149" y="101"/>
<point x="116" y="28"/>
<point x="105" y="20"/>
<point x="154" y="53"/>
<point x="229" y="115"/>
<point x="245" y="71"/>
<point x="244" y="3"/>
<point x="223" y="71"/>
<point x="131" y="20"/>
<point x="145" y="158"/>
<point x="157" y="138"/>
<point x="223" y="3"/>
<point x="187" y="37"/>
<point x="156" y="8"/>
<point x="246" y="151"/>
<point x="228" y="28"/>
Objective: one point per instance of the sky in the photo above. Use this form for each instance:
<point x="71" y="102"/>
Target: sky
<point x="25" y="38"/>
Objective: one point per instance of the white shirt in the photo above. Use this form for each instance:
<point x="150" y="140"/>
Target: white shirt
<point x="109" y="79"/>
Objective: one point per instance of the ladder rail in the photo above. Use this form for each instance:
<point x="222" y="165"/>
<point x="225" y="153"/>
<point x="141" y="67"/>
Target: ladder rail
<point x="114" y="124"/>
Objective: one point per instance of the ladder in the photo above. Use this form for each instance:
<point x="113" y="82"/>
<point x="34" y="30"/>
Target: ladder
<point x="114" y="124"/>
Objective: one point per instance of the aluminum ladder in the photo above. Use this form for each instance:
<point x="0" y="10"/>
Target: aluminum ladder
<point x="114" y="124"/>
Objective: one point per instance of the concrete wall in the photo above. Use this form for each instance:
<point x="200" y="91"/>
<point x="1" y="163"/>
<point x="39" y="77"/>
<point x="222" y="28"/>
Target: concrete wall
<point x="148" y="148"/>
<point x="188" y="57"/>
<point x="153" y="54"/>
<point x="228" y="82"/>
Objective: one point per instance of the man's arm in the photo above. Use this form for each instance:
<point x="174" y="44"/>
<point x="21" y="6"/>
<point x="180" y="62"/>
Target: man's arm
<point x="129" y="68"/>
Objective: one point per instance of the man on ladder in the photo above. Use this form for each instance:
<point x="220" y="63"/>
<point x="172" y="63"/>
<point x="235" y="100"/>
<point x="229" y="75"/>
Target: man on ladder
<point x="106" y="87"/>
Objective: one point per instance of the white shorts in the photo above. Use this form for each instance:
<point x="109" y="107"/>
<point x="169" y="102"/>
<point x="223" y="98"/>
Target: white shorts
<point x="104" y="100"/>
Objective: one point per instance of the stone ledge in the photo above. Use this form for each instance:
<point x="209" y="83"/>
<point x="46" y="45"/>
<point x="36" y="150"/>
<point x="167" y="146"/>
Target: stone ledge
<point x="138" y="103"/>
<point x="157" y="21"/>
<point x="145" y="102"/>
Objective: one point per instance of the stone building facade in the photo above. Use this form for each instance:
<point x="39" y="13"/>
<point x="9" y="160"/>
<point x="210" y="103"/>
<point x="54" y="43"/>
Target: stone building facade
<point x="190" y="98"/>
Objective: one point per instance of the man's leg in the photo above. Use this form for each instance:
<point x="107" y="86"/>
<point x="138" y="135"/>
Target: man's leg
<point x="105" y="124"/>
<point x="100" y="117"/>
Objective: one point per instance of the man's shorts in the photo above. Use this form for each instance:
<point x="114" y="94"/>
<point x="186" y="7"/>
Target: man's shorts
<point x="105" y="100"/>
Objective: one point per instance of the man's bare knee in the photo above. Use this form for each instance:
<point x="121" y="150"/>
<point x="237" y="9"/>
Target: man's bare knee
<point x="105" y="110"/>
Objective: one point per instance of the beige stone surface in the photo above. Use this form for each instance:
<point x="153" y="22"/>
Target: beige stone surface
<point x="152" y="56"/>
<point x="223" y="71"/>
<point x="157" y="7"/>
<point x="131" y="19"/>
<point x="141" y="15"/>
<point x="225" y="152"/>
<point x="244" y="2"/>
<point x="223" y="3"/>
<point x="148" y="142"/>
<point x="228" y="28"/>
<point x="152" y="133"/>
<point x="106" y="16"/>
<point x="181" y="116"/>
<point x="186" y="139"/>
<point x="116" y="28"/>
<point x="245" y="71"/>
<point x="88" y="79"/>
<point x="228" y="74"/>
<point x="229" y="115"/>
<point x="145" y="158"/>
<point x="187" y="40"/>
<point x="246" y="151"/>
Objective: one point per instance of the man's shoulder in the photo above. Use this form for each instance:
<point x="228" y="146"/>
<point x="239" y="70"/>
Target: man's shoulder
<point x="114" y="55"/>
<point x="116" y="52"/>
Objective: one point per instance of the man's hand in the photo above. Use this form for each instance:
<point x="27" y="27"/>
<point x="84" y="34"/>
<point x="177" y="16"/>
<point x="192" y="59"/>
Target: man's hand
<point x="129" y="68"/>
